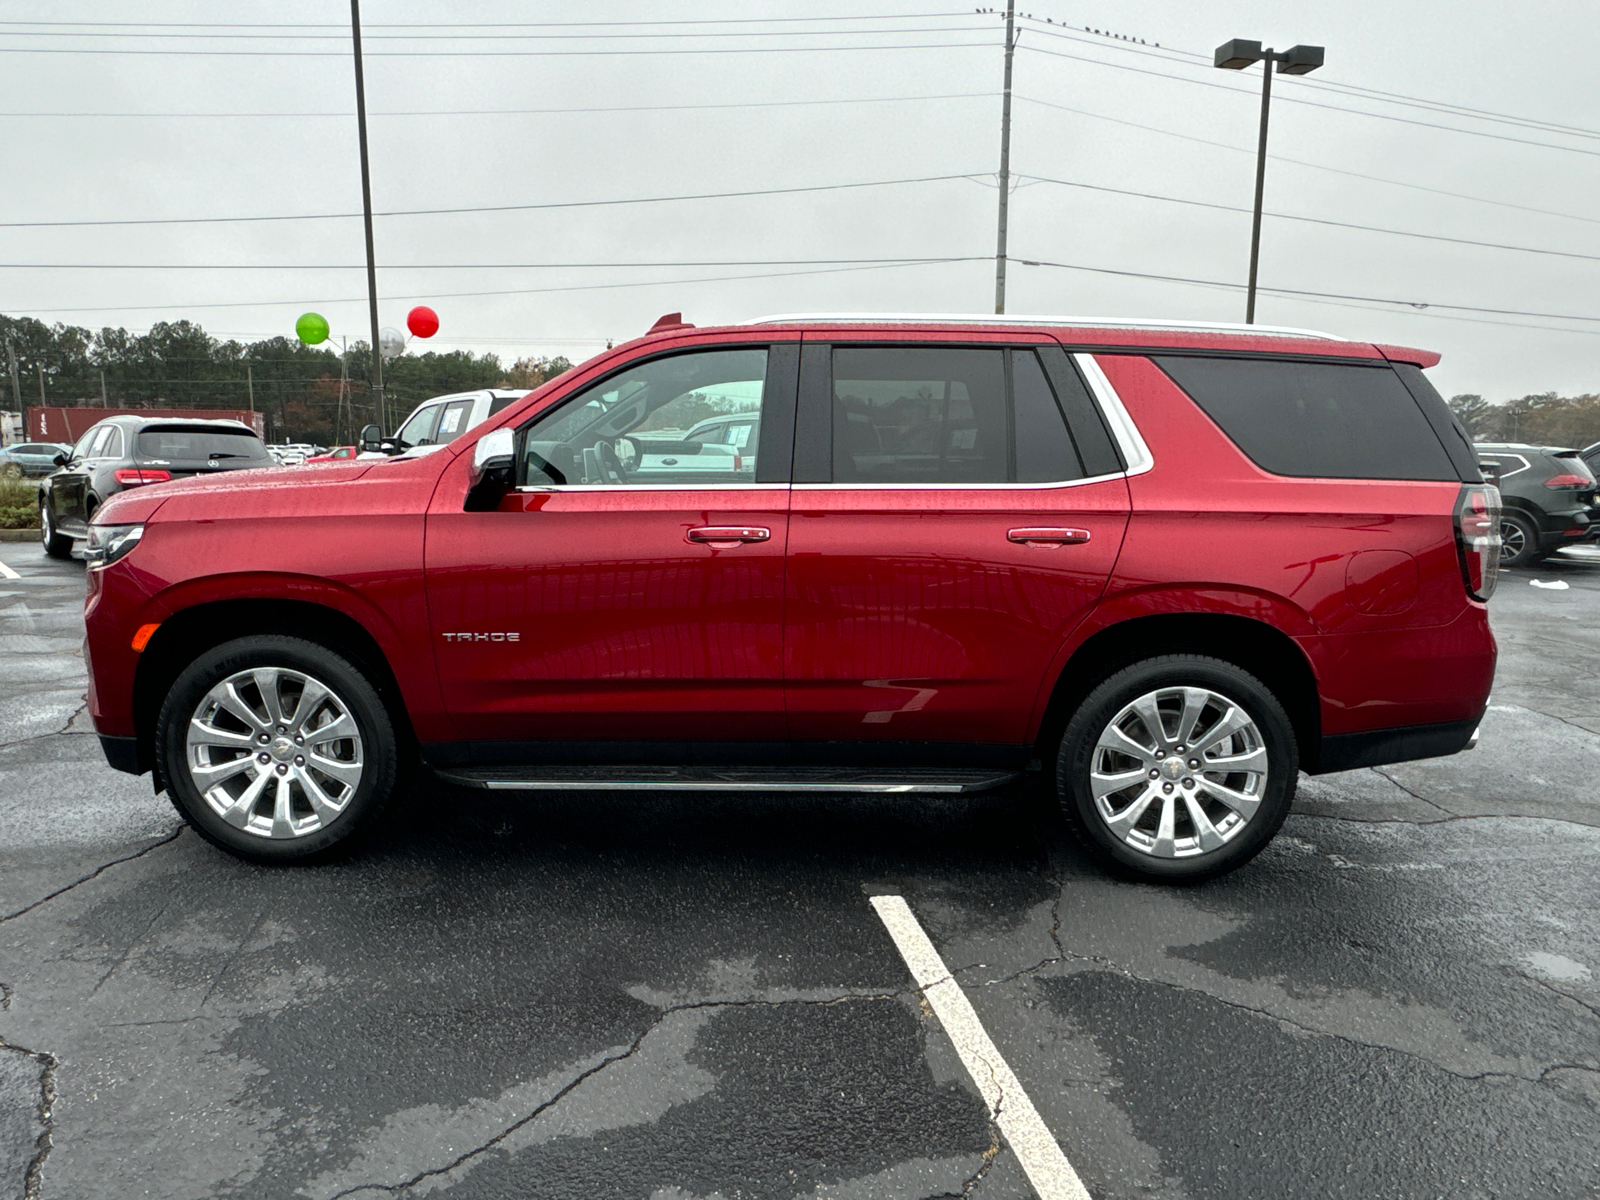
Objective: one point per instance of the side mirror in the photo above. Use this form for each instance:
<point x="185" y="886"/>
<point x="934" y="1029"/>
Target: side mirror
<point x="371" y="438"/>
<point x="493" y="470"/>
<point x="62" y="459"/>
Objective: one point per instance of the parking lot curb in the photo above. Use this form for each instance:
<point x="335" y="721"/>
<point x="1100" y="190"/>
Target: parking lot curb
<point x="19" y="535"/>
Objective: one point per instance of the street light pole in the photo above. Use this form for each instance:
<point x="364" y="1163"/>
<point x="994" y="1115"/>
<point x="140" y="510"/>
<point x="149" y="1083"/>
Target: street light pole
<point x="1297" y="60"/>
<point x="366" y="209"/>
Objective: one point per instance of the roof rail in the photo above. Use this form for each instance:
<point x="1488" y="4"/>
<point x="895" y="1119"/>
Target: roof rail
<point x="1006" y="319"/>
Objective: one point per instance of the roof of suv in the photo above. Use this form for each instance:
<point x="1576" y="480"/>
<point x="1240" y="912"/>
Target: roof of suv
<point x="1089" y="331"/>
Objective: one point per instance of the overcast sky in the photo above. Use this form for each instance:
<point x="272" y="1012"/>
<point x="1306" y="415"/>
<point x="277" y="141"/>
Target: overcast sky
<point x="278" y="138"/>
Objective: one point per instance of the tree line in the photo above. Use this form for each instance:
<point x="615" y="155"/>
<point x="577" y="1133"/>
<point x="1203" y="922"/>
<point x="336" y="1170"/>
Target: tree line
<point x="1545" y="419"/>
<point x="296" y="387"/>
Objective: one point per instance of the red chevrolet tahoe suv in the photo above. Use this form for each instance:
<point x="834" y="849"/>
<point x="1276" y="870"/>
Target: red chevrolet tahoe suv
<point x="1166" y="566"/>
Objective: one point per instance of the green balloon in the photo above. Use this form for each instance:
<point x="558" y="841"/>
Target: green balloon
<point x="312" y="328"/>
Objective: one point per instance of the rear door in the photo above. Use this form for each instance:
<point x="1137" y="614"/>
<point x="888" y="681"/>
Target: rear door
<point x="949" y="530"/>
<point x="614" y="598"/>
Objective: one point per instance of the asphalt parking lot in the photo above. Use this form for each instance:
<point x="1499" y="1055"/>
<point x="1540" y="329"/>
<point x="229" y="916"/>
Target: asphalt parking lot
<point x="686" y="997"/>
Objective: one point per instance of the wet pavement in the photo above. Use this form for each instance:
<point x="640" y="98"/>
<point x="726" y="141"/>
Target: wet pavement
<point x="691" y="997"/>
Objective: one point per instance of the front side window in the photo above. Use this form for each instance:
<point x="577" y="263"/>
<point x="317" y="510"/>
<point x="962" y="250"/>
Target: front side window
<point x="418" y="431"/>
<point x="941" y="415"/>
<point x="633" y="428"/>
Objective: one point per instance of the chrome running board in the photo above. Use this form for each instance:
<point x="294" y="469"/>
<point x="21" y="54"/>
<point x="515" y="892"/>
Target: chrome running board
<point x="889" y="781"/>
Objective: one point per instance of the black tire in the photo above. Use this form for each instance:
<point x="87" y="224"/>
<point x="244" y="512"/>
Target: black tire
<point x="1094" y="717"/>
<point x="1519" y="541"/>
<point x="379" y="748"/>
<point x="56" y="545"/>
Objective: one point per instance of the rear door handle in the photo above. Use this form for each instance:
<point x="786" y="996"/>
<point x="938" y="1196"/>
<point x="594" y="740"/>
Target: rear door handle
<point x="729" y="535"/>
<point x="1049" y="536"/>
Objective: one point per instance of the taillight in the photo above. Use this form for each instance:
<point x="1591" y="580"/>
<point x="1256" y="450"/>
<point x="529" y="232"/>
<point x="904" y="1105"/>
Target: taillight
<point x="1478" y="538"/>
<point x="1568" y="481"/>
<point x="134" y="476"/>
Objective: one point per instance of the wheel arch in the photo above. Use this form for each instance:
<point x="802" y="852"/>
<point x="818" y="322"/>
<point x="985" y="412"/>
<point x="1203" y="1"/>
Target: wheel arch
<point x="190" y="632"/>
<point x="1264" y="650"/>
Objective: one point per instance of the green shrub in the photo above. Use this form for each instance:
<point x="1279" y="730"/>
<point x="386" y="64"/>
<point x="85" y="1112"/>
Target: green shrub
<point x="19" y="500"/>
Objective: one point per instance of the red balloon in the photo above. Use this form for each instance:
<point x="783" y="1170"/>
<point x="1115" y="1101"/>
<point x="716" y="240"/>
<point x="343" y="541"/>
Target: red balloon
<point x="422" y="321"/>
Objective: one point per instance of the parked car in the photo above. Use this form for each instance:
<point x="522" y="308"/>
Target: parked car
<point x="129" y="451"/>
<point x="32" y="458"/>
<point x="337" y="454"/>
<point x="1548" y="496"/>
<point x="1164" y="568"/>
<point x="1591" y="456"/>
<point x="438" y="422"/>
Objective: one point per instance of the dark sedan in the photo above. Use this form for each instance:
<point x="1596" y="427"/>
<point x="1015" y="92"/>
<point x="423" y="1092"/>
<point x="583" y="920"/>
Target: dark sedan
<point x="128" y="451"/>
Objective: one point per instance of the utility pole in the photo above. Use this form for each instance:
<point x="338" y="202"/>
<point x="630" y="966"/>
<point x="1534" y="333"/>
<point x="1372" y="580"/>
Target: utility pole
<point x="104" y="403"/>
<point x="1005" y="161"/>
<point x="366" y="209"/>
<point x="16" y="382"/>
<point x="250" y="386"/>
<point x="1297" y="60"/>
<point x="41" y="385"/>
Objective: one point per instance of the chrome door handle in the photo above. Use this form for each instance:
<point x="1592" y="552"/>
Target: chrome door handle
<point x="728" y="535"/>
<point x="1049" y="537"/>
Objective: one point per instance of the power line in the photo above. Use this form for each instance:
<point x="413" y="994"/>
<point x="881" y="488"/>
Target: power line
<point x="1482" y="133"/>
<point x="422" y="212"/>
<point x="925" y="16"/>
<point x="1403" y="305"/>
<point x="1300" y="162"/>
<point x="546" y="266"/>
<point x="504" y="37"/>
<point x="481" y="54"/>
<point x="580" y="287"/>
<point x="1233" y="208"/>
<point x="1195" y="59"/>
<point x="519" y="112"/>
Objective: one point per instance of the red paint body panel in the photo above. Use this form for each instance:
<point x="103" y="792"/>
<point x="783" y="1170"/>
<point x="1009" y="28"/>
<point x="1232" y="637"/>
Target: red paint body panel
<point x="626" y="629"/>
<point x="869" y="615"/>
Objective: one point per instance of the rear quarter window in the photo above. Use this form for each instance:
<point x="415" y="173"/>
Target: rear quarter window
<point x="1315" y="420"/>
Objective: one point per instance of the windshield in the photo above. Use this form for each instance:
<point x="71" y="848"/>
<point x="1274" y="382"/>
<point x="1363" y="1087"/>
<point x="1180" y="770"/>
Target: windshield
<point x="187" y="444"/>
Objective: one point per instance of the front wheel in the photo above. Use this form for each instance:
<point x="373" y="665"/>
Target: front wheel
<point x="1178" y="769"/>
<point x="276" y="749"/>
<point x="56" y="545"/>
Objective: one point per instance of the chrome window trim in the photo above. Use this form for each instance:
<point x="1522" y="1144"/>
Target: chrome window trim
<point x="1005" y="320"/>
<point x="1499" y="454"/>
<point x="954" y="487"/>
<point x="654" y="487"/>
<point x="1134" y="451"/>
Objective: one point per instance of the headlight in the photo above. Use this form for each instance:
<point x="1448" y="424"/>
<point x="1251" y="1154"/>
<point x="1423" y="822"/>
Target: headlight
<point x="107" y="543"/>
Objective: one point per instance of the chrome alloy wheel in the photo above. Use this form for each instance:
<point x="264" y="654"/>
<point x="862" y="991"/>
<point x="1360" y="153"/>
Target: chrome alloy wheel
<point x="274" y="752"/>
<point x="1512" y="540"/>
<point x="1178" y="772"/>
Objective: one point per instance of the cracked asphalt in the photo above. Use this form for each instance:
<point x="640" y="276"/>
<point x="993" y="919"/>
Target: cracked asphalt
<point x="690" y="997"/>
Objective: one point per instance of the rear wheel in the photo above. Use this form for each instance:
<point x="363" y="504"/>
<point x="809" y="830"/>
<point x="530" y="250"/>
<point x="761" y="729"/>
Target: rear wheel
<point x="56" y="545"/>
<point x="1177" y="769"/>
<point x="1519" y="541"/>
<point x="276" y="749"/>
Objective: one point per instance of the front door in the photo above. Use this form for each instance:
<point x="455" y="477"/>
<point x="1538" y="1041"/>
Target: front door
<point x="948" y="532"/>
<point x="629" y="592"/>
<point x="68" y="489"/>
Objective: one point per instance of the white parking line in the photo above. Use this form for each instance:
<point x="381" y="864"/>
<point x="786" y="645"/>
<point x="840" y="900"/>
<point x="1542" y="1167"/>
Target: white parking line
<point x="7" y="573"/>
<point x="1030" y="1140"/>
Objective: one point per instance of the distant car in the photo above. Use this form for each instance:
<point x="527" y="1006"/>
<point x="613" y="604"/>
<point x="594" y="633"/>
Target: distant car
<point x="1591" y="455"/>
<point x="32" y="458"/>
<point x="1548" y="496"/>
<point x="130" y="451"/>
<point x="439" y="421"/>
<point x="337" y="454"/>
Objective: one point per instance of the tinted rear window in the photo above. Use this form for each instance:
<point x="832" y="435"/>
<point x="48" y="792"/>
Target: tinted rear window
<point x="1320" y="420"/>
<point x="187" y="445"/>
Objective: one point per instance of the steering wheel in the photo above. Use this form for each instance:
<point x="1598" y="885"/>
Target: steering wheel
<point x="610" y="465"/>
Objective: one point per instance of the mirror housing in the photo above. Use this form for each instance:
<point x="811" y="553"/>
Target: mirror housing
<point x="493" y="470"/>
<point x="371" y="437"/>
<point x="62" y="458"/>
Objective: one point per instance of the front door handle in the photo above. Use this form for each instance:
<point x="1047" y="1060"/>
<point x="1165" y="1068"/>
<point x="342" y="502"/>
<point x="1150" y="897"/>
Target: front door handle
<point x="1048" y="536"/>
<point x="728" y="535"/>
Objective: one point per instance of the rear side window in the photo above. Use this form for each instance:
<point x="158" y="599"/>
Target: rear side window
<point x="197" y="444"/>
<point x="455" y="420"/>
<point x="1317" y="420"/>
<point x="942" y="415"/>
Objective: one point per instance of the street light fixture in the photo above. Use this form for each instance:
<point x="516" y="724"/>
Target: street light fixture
<point x="1296" y="60"/>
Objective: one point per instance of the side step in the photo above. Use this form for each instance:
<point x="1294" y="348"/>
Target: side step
<point x="898" y="781"/>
